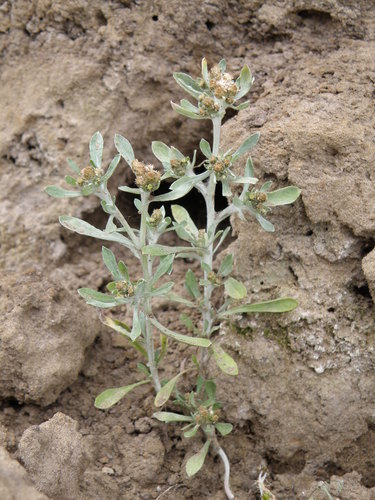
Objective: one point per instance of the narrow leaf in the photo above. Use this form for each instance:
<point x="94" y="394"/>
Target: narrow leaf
<point x="159" y="250"/>
<point x="163" y="289"/>
<point x="223" y="65"/>
<point x="204" y="70"/>
<point x="226" y="266"/>
<point x="96" y="149"/>
<point x="58" y="192"/>
<point x="191" y="284"/>
<point x="225" y="362"/>
<point x="266" y="225"/>
<point x="195" y="463"/>
<point x="165" y="416"/>
<point x="180" y="214"/>
<point x="99" y="299"/>
<point x="244" y="81"/>
<point x="235" y="289"/>
<point x="110" y="261"/>
<point x="165" y="392"/>
<point x="70" y="180"/>
<point x="179" y="109"/>
<point x="111" y="168"/>
<point x="283" y="196"/>
<point x="164" y="267"/>
<point x="73" y="166"/>
<point x="246" y="146"/>
<point x="136" y="328"/>
<point x="191" y="432"/>
<point x="205" y="148"/>
<point x="161" y="151"/>
<point x="195" y="341"/>
<point x="224" y="428"/>
<point x="270" y="306"/>
<point x="188" y="84"/>
<point x="125" y="149"/>
<point x="110" y="397"/>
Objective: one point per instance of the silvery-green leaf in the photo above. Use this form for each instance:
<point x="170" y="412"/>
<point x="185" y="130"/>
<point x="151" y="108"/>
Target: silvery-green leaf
<point x="266" y="186"/>
<point x="246" y="180"/>
<point x="96" y="149"/>
<point x="281" y="305"/>
<point x="182" y="111"/>
<point x="244" y="81"/>
<point x="176" y="154"/>
<point x="188" y="84"/>
<point x="191" y="284"/>
<point x="266" y="225"/>
<point x="117" y="325"/>
<point x="180" y="214"/>
<point x="163" y="289"/>
<point x="195" y="341"/>
<point x="205" y="71"/>
<point x="181" y="300"/>
<point x="111" y="168"/>
<point x="58" y="192"/>
<point x="225" y="362"/>
<point x="87" y="190"/>
<point x="222" y="238"/>
<point x="159" y="250"/>
<point x="195" y="463"/>
<point x="226" y="190"/>
<point x="224" y="428"/>
<point x="138" y="204"/>
<point x="70" y="180"/>
<point x="136" y="327"/>
<point x="110" y="397"/>
<point x="189" y="180"/>
<point x="82" y="227"/>
<point x="165" y="392"/>
<point x="210" y="389"/>
<point x="108" y="208"/>
<point x="235" y="289"/>
<point x="123" y="270"/>
<point x="164" y="267"/>
<point x="125" y="149"/>
<point x="246" y="146"/>
<point x="191" y="432"/>
<point x="226" y="266"/>
<point x="99" y="299"/>
<point x="222" y="65"/>
<point x="128" y="189"/>
<point x="143" y="369"/>
<point x="249" y="168"/>
<point x="161" y="151"/>
<point x="283" y="196"/>
<point x="173" y="195"/>
<point x="184" y="103"/>
<point x="241" y="106"/>
<point x="74" y="167"/>
<point x="165" y="416"/>
<point x="205" y="266"/>
<point x="109" y="260"/>
<point x="205" y="148"/>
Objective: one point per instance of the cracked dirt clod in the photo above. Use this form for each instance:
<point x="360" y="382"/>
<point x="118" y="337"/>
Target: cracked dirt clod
<point x="55" y="455"/>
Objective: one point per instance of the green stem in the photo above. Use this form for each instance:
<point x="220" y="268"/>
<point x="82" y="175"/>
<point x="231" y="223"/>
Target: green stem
<point x="146" y="261"/>
<point x="208" y="312"/>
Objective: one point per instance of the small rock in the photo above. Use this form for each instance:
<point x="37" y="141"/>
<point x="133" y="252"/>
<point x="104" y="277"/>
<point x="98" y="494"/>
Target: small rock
<point x="55" y="456"/>
<point x="108" y="470"/>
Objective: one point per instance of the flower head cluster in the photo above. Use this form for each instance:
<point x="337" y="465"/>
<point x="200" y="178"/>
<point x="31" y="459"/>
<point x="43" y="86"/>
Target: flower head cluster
<point x="90" y="176"/>
<point x="146" y="176"/>
<point x="207" y="105"/>
<point x="179" y="166"/>
<point x="222" y="85"/>
<point x="206" y="416"/>
<point x="220" y="165"/>
<point x="257" y="199"/>
<point x="156" y="217"/>
<point x="122" y="289"/>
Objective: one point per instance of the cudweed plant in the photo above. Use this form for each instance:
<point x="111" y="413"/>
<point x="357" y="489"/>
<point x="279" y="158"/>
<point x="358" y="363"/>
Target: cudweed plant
<point x="214" y="92"/>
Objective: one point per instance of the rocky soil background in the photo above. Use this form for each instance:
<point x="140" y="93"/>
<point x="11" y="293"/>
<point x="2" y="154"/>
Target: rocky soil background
<point x="303" y="405"/>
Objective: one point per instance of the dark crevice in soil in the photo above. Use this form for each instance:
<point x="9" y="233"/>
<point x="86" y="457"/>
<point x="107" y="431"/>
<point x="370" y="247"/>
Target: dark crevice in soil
<point x="316" y="16"/>
<point x="295" y="464"/>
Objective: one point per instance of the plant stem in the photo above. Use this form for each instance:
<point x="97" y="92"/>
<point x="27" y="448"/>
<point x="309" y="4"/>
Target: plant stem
<point x="226" y="463"/>
<point x="208" y="313"/>
<point x="146" y="261"/>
